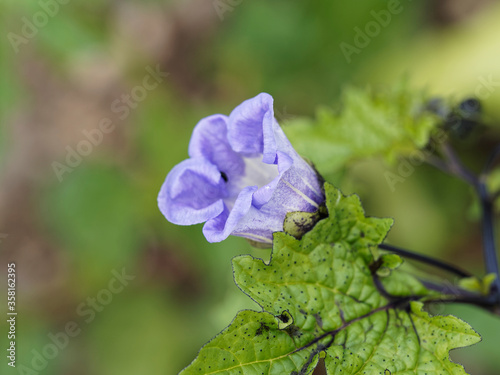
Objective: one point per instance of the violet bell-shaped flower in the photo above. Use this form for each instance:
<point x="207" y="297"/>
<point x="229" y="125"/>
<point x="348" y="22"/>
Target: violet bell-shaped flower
<point x="242" y="178"/>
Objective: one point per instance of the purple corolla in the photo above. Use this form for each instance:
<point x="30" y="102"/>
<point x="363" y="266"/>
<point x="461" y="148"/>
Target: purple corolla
<point x="243" y="176"/>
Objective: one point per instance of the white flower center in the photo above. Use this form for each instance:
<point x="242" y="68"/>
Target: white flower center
<point x="257" y="173"/>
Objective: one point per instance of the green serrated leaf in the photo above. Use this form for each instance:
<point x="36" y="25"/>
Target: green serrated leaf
<point x="388" y="124"/>
<point x="253" y="344"/>
<point x="347" y="222"/>
<point x="321" y="298"/>
<point x="403" y="342"/>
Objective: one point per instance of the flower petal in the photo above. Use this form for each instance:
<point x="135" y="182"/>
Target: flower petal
<point x="298" y="190"/>
<point x="192" y="192"/>
<point x="250" y="127"/>
<point x="209" y="140"/>
<point x="264" y="194"/>
<point x="286" y="157"/>
<point x="291" y="194"/>
<point x="219" y="228"/>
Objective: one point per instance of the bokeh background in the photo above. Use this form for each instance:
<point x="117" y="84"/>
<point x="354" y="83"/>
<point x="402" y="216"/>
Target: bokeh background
<point x="67" y="236"/>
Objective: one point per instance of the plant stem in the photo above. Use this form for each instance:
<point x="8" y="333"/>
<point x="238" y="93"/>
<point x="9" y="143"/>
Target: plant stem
<point x="426" y="259"/>
<point x="447" y="288"/>
<point x="454" y="294"/>
<point x="488" y="230"/>
<point x="487" y="302"/>
<point x="491" y="161"/>
<point x="487" y="201"/>
<point x="456" y="167"/>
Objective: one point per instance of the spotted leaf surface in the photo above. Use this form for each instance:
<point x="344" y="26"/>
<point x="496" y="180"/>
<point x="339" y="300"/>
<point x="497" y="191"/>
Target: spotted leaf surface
<point x="322" y="295"/>
<point x="392" y="341"/>
<point x="254" y="343"/>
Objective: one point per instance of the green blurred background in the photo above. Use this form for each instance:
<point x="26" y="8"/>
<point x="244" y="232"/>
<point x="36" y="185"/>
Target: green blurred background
<point x="67" y="237"/>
